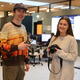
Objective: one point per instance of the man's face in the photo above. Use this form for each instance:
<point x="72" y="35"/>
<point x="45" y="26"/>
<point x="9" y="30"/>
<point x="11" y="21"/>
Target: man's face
<point x="19" y="14"/>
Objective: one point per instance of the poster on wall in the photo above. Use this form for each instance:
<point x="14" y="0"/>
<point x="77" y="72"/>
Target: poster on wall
<point x="39" y="29"/>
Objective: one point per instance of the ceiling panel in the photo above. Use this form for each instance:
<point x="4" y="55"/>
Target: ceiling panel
<point x="74" y="2"/>
<point x="49" y="1"/>
<point x="8" y="6"/>
<point x="4" y="6"/>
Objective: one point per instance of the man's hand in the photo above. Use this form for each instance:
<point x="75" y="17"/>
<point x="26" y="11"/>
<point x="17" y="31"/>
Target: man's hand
<point x="27" y="67"/>
<point x="23" y="45"/>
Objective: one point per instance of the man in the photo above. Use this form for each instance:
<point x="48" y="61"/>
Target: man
<point x="14" y="49"/>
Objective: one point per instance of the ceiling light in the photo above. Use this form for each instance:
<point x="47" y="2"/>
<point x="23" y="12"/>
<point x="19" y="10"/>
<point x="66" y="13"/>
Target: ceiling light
<point x="42" y="8"/>
<point x="52" y="9"/>
<point x="47" y="10"/>
<point x="10" y="3"/>
<point x="27" y="11"/>
<point x="32" y="12"/>
<point x="59" y="6"/>
<point x="38" y="16"/>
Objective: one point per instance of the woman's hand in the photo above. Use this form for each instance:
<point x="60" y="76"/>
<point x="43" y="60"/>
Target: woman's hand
<point x="56" y="49"/>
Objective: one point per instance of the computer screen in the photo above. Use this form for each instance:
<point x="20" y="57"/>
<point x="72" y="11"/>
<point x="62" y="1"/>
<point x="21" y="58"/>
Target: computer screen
<point x="33" y="42"/>
<point x="76" y="28"/>
<point x="75" y="20"/>
<point x="46" y="37"/>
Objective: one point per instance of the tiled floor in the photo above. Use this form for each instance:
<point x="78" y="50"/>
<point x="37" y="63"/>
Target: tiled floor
<point x="40" y="72"/>
<point x="77" y="71"/>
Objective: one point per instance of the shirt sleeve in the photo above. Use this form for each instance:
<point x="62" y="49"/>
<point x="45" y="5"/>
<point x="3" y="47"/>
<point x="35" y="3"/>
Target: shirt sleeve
<point x="4" y="32"/>
<point x="4" y="36"/>
<point x="72" y="54"/>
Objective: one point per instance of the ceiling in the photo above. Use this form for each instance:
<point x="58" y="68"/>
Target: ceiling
<point x="5" y="6"/>
<point x="74" y="2"/>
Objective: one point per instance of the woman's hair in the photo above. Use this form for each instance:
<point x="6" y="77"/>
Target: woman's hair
<point x="69" y="31"/>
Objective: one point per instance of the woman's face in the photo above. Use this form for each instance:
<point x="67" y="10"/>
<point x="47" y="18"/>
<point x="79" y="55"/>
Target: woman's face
<point x="63" y="27"/>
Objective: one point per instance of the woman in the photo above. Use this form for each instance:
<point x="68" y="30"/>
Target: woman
<point x="65" y="40"/>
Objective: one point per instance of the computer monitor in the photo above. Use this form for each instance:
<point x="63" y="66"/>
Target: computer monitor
<point x="33" y="42"/>
<point x="46" y="37"/>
